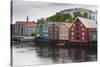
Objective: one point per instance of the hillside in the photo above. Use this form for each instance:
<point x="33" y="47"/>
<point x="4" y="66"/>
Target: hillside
<point x="68" y="16"/>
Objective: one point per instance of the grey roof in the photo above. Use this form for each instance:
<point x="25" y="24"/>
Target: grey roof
<point x="88" y="23"/>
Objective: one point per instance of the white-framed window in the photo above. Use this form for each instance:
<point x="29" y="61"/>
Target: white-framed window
<point x="81" y="25"/>
<point x="72" y="37"/>
<point x="83" y="29"/>
<point x="83" y="38"/>
<point x="72" y="33"/>
<point x="83" y="33"/>
<point x="73" y="25"/>
<point x="72" y="29"/>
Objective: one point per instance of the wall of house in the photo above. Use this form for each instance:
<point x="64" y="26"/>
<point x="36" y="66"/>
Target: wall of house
<point x="42" y="30"/>
<point x="18" y="29"/>
<point x="78" y="32"/>
<point x="39" y="30"/>
<point x="45" y="31"/>
<point x="54" y="32"/>
<point x="63" y="34"/>
<point x="93" y="34"/>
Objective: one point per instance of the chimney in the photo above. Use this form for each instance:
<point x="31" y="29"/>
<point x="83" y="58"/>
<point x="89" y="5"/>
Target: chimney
<point x="27" y="19"/>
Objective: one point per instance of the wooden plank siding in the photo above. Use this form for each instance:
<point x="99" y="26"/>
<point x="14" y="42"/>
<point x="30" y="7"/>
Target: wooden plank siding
<point x="79" y="32"/>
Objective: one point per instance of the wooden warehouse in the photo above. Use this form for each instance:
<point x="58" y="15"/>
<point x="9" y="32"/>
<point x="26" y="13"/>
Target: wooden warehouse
<point x="83" y="30"/>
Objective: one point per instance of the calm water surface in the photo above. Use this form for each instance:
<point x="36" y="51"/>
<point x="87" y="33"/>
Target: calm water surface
<point x="29" y="54"/>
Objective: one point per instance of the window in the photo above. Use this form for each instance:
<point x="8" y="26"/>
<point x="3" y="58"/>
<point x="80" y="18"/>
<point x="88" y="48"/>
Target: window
<point x="72" y="29"/>
<point x="73" y="25"/>
<point x="83" y="33"/>
<point x="51" y="36"/>
<point x="77" y="25"/>
<point x="77" y="33"/>
<point x="56" y="29"/>
<point x="93" y="17"/>
<point x="72" y="37"/>
<point x="77" y="38"/>
<point x="50" y="29"/>
<point x="72" y="33"/>
<point x="55" y="36"/>
<point x="83" y="38"/>
<point x="77" y="29"/>
<point x="81" y="25"/>
<point x="51" y="32"/>
<point x="83" y="29"/>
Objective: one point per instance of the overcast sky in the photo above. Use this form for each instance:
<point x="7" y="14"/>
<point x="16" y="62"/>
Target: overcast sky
<point x="35" y="10"/>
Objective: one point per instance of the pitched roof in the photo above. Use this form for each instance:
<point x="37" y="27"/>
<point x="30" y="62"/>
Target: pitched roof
<point x="30" y="25"/>
<point x="88" y="23"/>
<point x="68" y="24"/>
<point x="59" y="24"/>
<point x="26" y="24"/>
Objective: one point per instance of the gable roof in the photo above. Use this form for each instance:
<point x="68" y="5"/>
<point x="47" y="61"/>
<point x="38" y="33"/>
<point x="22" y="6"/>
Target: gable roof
<point x="66" y="24"/>
<point x="53" y="23"/>
<point x="88" y="23"/>
<point x="26" y="24"/>
<point x="30" y="25"/>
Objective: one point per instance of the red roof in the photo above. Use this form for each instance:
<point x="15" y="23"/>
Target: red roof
<point x="30" y="25"/>
<point x="26" y="24"/>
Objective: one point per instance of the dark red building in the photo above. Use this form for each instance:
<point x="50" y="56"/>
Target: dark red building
<point x="83" y="30"/>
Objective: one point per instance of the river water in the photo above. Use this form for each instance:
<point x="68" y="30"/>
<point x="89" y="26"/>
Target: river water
<point x="29" y="54"/>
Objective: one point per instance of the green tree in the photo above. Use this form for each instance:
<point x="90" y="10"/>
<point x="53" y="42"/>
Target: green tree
<point x="58" y="17"/>
<point x="80" y="14"/>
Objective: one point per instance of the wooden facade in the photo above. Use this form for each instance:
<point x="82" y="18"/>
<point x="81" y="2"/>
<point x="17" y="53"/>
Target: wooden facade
<point x="64" y="31"/>
<point x="80" y="30"/>
<point x="53" y="31"/>
<point x="42" y="30"/>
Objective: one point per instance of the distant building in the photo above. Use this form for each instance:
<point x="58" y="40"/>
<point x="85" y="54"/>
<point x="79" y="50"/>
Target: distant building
<point x="91" y="14"/>
<point x="19" y="27"/>
<point x="29" y="28"/>
<point x="42" y="30"/>
<point x="25" y="28"/>
<point x="64" y="31"/>
<point x="83" y="30"/>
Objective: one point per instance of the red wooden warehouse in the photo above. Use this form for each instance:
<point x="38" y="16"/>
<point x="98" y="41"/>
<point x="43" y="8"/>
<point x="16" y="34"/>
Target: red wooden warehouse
<point x="83" y="30"/>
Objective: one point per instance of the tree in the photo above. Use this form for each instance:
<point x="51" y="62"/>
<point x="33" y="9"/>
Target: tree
<point x="80" y="14"/>
<point x="58" y="17"/>
<point x="33" y="33"/>
<point x="40" y="20"/>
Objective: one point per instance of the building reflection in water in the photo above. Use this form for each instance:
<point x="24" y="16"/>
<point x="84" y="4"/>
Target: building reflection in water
<point x="61" y="54"/>
<point x="66" y="55"/>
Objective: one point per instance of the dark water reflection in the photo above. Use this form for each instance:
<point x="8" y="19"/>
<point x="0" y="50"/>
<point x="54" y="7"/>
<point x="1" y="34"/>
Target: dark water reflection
<point x="63" y="54"/>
